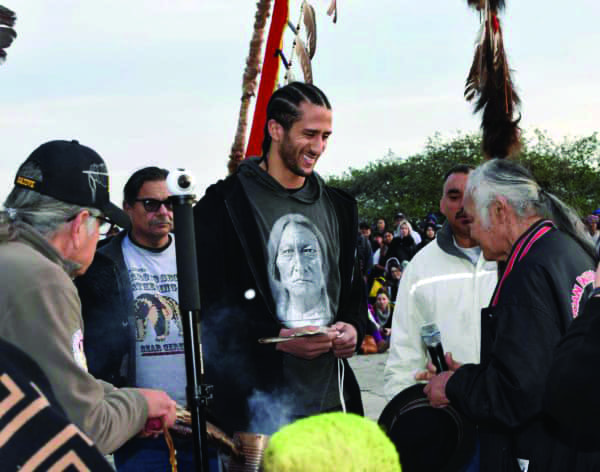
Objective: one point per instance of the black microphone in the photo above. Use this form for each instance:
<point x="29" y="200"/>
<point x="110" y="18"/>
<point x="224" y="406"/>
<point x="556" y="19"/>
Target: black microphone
<point x="430" y="334"/>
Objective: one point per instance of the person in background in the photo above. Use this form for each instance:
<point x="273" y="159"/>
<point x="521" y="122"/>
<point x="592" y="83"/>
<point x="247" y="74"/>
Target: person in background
<point x="380" y="225"/>
<point x="129" y="297"/>
<point x="446" y="283"/>
<point x="376" y="245"/>
<point x="429" y="232"/>
<point x="365" y="230"/>
<point x="399" y="219"/>
<point x="393" y="277"/>
<point x="380" y="316"/>
<point x="550" y="261"/>
<point x="51" y="224"/>
<point x="591" y="223"/>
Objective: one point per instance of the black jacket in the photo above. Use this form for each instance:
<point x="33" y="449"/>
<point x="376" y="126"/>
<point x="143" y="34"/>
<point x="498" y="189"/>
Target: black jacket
<point x="571" y="400"/>
<point x="503" y="394"/>
<point x="238" y="308"/>
<point x="107" y="309"/>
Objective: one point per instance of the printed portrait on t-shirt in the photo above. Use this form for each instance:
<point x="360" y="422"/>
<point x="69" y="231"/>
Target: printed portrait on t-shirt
<point x="298" y="271"/>
<point x="159" y="311"/>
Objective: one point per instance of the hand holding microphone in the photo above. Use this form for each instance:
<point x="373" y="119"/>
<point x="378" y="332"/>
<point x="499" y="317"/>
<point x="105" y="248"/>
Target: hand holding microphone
<point x="439" y="369"/>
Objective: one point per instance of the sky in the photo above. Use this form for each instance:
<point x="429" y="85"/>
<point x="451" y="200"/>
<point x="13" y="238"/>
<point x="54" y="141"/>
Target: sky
<point x="158" y="82"/>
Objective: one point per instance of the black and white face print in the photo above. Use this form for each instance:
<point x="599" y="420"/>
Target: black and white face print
<point x="298" y="271"/>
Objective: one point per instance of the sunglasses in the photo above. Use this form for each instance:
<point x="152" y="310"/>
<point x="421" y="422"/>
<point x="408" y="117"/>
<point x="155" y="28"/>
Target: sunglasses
<point x="152" y="204"/>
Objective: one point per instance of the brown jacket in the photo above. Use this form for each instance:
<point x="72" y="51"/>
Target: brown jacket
<point x="41" y="314"/>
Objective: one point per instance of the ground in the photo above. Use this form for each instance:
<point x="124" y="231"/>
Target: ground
<point x="369" y="372"/>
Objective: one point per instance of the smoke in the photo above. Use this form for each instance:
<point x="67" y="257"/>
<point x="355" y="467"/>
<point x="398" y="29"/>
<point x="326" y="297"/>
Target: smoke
<point x="270" y="411"/>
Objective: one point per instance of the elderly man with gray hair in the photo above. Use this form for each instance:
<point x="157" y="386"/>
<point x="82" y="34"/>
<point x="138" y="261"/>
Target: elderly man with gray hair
<point x="549" y="261"/>
<point x="48" y="235"/>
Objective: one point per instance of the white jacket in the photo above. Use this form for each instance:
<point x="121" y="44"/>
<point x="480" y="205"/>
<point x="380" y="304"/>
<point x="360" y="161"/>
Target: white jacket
<point x="440" y="285"/>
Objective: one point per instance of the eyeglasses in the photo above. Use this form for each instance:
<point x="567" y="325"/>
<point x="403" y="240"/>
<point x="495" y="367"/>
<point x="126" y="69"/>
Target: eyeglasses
<point x="104" y="224"/>
<point x="152" y="204"/>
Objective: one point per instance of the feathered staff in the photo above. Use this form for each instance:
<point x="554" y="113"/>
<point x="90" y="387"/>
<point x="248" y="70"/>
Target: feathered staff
<point x="7" y="34"/>
<point x="249" y="82"/>
<point x="490" y="83"/>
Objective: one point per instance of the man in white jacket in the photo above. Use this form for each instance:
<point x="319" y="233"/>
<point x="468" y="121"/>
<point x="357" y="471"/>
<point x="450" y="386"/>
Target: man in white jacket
<point x="447" y="283"/>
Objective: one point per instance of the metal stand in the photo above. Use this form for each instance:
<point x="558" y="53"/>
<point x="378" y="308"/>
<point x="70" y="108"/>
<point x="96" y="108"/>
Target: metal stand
<point x="198" y="394"/>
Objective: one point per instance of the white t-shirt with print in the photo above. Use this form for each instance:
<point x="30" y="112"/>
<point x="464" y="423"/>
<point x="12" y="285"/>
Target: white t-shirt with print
<point x="160" y="359"/>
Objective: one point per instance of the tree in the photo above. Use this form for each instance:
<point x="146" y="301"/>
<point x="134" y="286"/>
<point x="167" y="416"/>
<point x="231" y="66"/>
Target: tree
<point x="413" y="185"/>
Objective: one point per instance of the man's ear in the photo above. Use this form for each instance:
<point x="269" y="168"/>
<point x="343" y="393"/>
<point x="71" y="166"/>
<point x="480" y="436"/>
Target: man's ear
<point x="275" y="130"/>
<point x="127" y="207"/>
<point x="500" y="210"/>
<point x="78" y="227"/>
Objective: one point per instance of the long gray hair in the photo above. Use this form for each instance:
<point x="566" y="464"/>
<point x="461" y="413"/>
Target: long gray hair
<point x="501" y="177"/>
<point x="44" y="213"/>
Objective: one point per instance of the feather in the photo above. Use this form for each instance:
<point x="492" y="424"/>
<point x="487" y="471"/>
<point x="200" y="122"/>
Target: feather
<point x="493" y="5"/>
<point x="310" y="23"/>
<point x="332" y="10"/>
<point x="7" y="34"/>
<point x="7" y="17"/>
<point x="477" y="4"/>
<point x="304" y="59"/>
<point x="490" y="81"/>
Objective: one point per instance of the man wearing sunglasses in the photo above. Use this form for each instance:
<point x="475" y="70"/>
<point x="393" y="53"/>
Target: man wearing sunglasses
<point x="131" y="312"/>
<point x="48" y="235"/>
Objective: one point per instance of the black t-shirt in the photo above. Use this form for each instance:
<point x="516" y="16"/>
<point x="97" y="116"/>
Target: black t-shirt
<point x="34" y="430"/>
<point x="299" y="228"/>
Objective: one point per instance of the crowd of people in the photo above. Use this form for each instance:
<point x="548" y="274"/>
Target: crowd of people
<point x="384" y="252"/>
<point x="92" y="335"/>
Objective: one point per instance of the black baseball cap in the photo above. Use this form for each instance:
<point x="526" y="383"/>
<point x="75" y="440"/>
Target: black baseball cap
<point x="73" y="173"/>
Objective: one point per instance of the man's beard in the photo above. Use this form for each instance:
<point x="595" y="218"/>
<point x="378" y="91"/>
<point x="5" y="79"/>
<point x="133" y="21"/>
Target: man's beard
<point x="289" y="156"/>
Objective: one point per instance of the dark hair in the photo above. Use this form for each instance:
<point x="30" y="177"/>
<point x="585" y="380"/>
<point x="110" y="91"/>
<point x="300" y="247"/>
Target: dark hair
<point x="458" y="169"/>
<point x="284" y="107"/>
<point x="383" y="291"/>
<point x="364" y="225"/>
<point x="139" y="178"/>
<point x="377" y="234"/>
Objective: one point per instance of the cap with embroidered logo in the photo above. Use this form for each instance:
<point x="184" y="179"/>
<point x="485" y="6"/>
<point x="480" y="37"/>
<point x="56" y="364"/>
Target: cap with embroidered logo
<point x="72" y="173"/>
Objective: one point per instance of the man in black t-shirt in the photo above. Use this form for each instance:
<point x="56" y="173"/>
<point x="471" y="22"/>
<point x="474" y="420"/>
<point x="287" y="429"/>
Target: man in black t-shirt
<point x="276" y="254"/>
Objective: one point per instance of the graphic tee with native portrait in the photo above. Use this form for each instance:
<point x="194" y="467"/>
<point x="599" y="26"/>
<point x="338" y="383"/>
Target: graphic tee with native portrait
<point x="160" y="360"/>
<point x="298" y="272"/>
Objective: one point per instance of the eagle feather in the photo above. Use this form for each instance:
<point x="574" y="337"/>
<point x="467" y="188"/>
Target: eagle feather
<point x="7" y="33"/>
<point x="304" y="59"/>
<point x="310" y="24"/>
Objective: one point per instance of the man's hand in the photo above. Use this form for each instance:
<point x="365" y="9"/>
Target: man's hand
<point x="160" y="407"/>
<point x="426" y="375"/>
<point x="431" y="372"/>
<point x="306" y="347"/>
<point x="436" y="390"/>
<point x="344" y="344"/>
